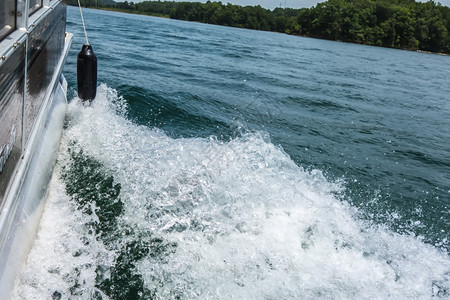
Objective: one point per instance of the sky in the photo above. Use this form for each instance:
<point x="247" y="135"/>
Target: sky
<point x="271" y="4"/>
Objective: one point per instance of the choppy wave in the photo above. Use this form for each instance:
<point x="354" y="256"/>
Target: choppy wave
<point x="133" y="213"/>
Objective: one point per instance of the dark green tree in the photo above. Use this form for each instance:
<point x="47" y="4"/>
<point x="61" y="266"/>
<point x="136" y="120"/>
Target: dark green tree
<point x="390" y="23"/>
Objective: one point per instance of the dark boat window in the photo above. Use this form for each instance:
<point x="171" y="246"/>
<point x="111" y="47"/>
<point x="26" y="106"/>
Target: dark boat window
<point x="35" y="5"/>
<point x="7" y="17"/>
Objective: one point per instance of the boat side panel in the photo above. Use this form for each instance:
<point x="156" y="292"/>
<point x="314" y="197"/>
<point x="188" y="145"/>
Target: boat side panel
<point x="31" y="198"/>
<point x="11" y="110"/>
<point x="46" y="43"/>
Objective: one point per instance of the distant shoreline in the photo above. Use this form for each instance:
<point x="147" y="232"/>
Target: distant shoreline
<point x="297" y="22"/>
<point x="135" y="12"/>
<point x="430" y="52"/>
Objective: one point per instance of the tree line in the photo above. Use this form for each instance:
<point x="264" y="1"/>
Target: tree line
<point x="402" y="24"/>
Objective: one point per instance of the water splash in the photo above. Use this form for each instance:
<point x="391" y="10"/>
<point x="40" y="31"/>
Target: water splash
<point x="204" y="218"/>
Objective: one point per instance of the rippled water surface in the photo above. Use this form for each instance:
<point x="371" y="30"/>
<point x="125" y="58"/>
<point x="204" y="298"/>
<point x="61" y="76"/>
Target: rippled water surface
<point x="221" y="163"/>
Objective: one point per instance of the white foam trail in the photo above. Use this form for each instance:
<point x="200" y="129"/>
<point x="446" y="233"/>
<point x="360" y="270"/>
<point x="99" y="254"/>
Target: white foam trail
<point x="248" y="222"/>
<point x="61" y="255"/>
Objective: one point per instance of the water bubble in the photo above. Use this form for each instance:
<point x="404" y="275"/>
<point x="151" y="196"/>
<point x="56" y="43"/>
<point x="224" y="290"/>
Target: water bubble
<point x="211" y="219"/>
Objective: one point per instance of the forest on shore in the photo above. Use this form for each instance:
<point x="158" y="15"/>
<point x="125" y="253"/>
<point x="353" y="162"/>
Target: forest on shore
<point x="403" y="24"/>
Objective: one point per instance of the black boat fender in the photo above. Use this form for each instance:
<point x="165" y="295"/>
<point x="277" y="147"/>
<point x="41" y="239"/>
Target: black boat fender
<point x="87" y="73"/>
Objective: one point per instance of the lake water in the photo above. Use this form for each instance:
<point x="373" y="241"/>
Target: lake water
<point x="220" y="163"/>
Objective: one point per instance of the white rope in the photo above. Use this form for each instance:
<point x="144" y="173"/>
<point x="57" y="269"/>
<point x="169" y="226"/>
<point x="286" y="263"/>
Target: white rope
<point x="82" y="20"/>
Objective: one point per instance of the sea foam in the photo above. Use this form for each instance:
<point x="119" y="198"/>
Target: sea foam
<point x="218" y="220"/>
